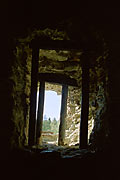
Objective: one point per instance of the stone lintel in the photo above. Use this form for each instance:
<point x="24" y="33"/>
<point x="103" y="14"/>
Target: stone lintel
<point x="57" y="78"/>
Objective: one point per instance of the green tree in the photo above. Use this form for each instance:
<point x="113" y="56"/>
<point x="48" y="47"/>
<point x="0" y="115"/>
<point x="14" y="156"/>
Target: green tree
<point x="47" y="125"/>
<point x="49" y="122"/>
<point x="54" y="126"/>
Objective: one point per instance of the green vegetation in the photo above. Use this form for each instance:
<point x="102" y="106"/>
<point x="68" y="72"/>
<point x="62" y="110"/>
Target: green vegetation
<point x="51" y="125"/>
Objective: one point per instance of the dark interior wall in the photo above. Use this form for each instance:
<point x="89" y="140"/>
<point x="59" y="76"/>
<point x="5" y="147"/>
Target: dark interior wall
<point x="114" y="103"/>
<point x="105" y="21"/>
<point x="112" y="35"/>
<point x="17" y="96"/>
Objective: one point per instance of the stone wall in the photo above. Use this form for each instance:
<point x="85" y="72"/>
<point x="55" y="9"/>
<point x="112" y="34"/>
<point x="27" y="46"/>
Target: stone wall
<point x="99" y="101"/>
<point x="19" y="82"/>
<point x="98" y="122"/>
<point x="98" y="126"/>
<point x="73" y="116"/>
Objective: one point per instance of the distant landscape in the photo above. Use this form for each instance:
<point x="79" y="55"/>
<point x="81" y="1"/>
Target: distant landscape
<point x="50" y="124"/>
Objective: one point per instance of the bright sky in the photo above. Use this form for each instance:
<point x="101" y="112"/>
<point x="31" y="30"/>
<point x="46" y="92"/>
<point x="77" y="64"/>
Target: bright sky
<point x="52" y="105"/>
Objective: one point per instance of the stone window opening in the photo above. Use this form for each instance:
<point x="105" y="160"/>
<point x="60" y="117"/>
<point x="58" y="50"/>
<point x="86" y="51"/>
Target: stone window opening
<point x="34" y="55"/>
<point x="57" y="78"/>
<point x="63" y="115"/>
<point x="72" y="119"/>
<point x="51" y="119"/>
